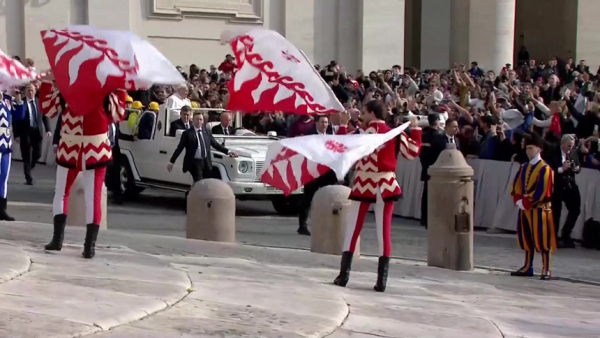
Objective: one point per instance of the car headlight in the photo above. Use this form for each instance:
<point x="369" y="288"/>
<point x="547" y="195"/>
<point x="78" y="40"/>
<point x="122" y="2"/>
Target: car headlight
<point x="243" y="167"/>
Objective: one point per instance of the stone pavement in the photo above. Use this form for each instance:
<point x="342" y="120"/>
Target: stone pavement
<point x="152" y="286"/>
<point x="161" y="213"/>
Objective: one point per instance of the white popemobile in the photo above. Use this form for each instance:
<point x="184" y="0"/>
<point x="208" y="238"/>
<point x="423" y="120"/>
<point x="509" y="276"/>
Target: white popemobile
<point x="143" y="163"/>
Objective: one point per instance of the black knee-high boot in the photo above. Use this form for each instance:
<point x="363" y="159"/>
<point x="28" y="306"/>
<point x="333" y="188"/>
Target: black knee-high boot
<point x="344" y="276"/>
<point x="89" y="247"/>
<point x="382" y="274"/>
<point x="3" y="214"/>
<point x="59" y="233"/>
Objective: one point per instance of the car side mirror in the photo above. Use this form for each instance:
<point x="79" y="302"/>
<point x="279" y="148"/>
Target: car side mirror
<point x="272" y="133"/>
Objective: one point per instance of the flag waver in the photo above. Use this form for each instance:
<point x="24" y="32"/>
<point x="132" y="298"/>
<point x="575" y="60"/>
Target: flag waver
<point x="293" y="162"/>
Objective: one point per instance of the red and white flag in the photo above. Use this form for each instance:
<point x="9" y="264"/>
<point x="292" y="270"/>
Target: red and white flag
<point x="273" y="75"/>
<point x="89" y="63"/>
<point x="13" y="73"/>
<point x="293" y="162"/>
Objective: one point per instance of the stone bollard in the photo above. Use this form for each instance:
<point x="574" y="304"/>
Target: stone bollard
<point x="77" y="208"/>
<point x="211" y="212"/>
<point x="450" y="212"/>
<point x="329" y="215"/>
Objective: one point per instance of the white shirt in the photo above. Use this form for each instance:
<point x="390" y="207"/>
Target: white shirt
<point x="198" y="154"/>
<point x="30" y="104"/>
<point x="176" y="102"/>
<point x="536" y="159"/>
<point x="451" y="139"/>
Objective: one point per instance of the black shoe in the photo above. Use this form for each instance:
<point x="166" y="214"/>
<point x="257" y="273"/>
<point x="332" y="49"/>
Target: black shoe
<point x="344" y="276"/>
<point x="3" y="215"/>
<point x="29" y="182"/>
<point x="59" y="233"/>
<point x="545" y="277"/>
<point x="519" y="273"/>
<point x="566" y="244"/>
<point x="382" y="274"/>
<point x="117" y="200"/>
<point x="89" y="247"/>
<point x="303" y="230"/>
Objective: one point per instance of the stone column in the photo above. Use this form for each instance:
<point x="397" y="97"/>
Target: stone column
<point x="482" y="31"/>
<point x="435" y="34"/>
<point x="381" y="34"/>
<point x="38" y="17"/>
<point x="587" y="37"/>
<point x="109" y="14"/>
<point x="300" y="25"/>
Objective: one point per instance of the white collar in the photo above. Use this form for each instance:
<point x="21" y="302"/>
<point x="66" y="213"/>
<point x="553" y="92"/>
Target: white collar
<point x="450" y="137"/>
<point x="535" y="160"/>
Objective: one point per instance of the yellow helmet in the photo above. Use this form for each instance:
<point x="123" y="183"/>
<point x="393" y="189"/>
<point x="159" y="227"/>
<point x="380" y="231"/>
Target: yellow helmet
<point x="137" y="105"/>
<point x="153" y="106"/>
<point x="194" y="104"/>
<point x="129" y="99"/>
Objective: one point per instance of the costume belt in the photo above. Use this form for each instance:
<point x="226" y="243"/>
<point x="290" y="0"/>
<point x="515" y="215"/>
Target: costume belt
<point x="5" y="131"/>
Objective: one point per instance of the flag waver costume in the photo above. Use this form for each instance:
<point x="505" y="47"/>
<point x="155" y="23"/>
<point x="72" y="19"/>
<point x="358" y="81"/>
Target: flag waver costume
<point x="92" y="68"/>
<point x="9" y="110"/>
<point x="83" y="147"/>
<point x="375" y="182"/>
<point x="532" y="190"/>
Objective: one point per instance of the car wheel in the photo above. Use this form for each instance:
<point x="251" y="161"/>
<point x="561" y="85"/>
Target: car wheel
<point x="287" y="206"/>
<point x="127" y="180"/>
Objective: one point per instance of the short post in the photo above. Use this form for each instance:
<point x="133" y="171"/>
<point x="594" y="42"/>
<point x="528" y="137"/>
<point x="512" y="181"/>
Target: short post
<point x="211" y="212"/>
<point x="77" y="206"/>
<point x="329" y="215"/>
<point x="450" y="212"/>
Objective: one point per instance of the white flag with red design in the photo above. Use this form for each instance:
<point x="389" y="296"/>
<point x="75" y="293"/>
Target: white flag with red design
<point x="89" y="63"/>
<point x="273" y="75"/>
<point x="293" y="162"/>
<point x="13" y="73"/>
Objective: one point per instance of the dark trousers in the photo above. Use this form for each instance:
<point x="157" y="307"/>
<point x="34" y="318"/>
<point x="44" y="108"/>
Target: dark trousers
<point x="424" y="204"/>
<point x="310" y="189"/>
<point x="572" y="199"/>
<point x="31" y="150"/>
<point x="199" y="170"/>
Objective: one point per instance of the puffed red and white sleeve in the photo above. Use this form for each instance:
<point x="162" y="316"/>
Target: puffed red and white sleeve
<point x="410" y="147"/>
<point x="117" y="105"/>
<point x="49" y="99"/>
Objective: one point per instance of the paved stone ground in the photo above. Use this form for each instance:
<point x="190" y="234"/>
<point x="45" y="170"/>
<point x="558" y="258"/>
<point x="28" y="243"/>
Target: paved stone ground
<point x="161" y="213"/>
<point x="165" y="287"/>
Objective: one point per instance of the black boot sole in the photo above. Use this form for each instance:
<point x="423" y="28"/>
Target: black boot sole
<point x="341" y="282"/>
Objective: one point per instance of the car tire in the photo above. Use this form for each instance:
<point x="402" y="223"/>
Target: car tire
<point x="287" y="206"/>
<point x="128" y="186"/>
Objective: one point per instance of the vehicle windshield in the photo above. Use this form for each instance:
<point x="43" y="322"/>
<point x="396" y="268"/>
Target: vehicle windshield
<point x="212" y="120"/>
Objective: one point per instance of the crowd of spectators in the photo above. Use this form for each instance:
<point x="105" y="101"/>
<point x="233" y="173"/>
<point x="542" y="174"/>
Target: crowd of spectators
<point x="487" y="113"/>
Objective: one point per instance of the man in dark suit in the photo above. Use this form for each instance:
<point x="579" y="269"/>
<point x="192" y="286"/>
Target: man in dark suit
<point x="429" y="154"/>
<point x="564" y="160"/>
<point x="183" y="122"/>
<point x="321" y="127"/>
<point x="29" y="132"/>
<point x="196" y="142"/>
<point x="224" y="128"/>
<point x="114" y="169"/>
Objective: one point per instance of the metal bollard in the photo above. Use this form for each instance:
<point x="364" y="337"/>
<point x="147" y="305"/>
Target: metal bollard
<point x="211" y="212"/>
<point x="329" y="215"/>
<point x="77" y="207"/>
<point x="450" y="212"/>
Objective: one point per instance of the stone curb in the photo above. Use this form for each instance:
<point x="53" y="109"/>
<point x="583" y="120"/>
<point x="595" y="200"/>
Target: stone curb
<point x="411" y="259"/>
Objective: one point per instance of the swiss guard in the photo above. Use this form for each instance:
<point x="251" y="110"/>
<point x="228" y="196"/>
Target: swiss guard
<point x="531" y="190"/>
<point x="10" y="108"/>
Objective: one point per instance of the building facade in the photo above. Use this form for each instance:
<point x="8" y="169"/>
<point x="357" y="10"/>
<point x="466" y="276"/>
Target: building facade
<point x="359" y="34"/>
